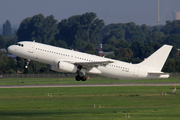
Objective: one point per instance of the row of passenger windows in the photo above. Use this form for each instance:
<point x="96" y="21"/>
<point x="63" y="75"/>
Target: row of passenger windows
<point x="52" y="52"/>
<point x="64" y="55"/>
<point x="85" y="59"/>
<point x="79" y="58"/>
<point x="124" y="68"/>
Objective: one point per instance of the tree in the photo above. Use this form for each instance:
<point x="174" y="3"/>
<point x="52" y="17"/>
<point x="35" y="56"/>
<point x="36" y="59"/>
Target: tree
<point x="7" y="65"/>
<point x="137" y="36"/>
<point x="90" y="49"/>
<point x="2" y="41"/>
<point x="7" y="29"/>
<point x="79" y="30"/>
<point x="137" y="47"/>
<point x="123" y="53"/>
<point x="144" y="28"/>
<point x="155" y="36"/>
<point x="169" y="66"/>
<point x="108" y="48"/>
<point x="59" y="43"/>
<point x="39" y="28"/>
<point x="129" y="32"/>
<point x="171" y="27"/>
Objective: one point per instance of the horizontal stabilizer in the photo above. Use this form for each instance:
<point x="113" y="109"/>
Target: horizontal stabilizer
<point x="157" y="73"/>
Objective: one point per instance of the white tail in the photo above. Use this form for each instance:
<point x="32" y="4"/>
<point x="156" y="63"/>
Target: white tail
<point x="158" y="58"/>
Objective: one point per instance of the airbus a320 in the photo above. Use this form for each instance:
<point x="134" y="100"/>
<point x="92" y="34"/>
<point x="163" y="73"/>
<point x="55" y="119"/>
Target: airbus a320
<point x="65" y="60"/>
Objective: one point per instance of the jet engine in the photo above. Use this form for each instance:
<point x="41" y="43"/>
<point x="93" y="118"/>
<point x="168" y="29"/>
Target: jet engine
<point x="64" y="67"/>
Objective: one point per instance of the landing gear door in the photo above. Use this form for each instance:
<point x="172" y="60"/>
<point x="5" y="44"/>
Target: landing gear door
<point x="31" y="47"/>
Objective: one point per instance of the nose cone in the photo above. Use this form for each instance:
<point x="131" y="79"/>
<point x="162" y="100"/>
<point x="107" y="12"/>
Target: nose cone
<point x="11" y="49"/>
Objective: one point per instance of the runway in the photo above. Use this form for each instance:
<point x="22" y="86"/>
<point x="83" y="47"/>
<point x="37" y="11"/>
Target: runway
<point x="89" y="85"/>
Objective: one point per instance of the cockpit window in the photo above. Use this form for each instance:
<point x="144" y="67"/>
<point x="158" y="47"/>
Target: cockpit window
<point x="19" y="44"/>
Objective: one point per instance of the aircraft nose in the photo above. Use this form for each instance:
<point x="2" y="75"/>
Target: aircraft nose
<point x="11" y="49"/>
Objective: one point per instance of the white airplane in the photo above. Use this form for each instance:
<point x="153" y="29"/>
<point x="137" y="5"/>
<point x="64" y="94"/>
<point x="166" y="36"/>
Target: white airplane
<point x="64" y="60"/>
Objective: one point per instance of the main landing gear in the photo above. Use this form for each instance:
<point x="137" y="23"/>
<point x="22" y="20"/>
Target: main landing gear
<point x="78" y="77"/>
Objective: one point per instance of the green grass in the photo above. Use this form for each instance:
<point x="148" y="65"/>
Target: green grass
<point x="36" y="81"/>
<point x="141" y="102"/>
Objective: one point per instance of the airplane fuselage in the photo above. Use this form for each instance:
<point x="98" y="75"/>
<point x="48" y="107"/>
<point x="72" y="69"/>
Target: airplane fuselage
<point x="51" y="55"/>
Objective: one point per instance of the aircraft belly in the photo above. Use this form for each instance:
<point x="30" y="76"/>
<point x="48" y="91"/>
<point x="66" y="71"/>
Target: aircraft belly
<point x="115" y="73"/>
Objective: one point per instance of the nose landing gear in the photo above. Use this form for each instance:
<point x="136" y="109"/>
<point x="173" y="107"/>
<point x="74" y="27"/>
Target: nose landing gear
<point x="27" y="63"/>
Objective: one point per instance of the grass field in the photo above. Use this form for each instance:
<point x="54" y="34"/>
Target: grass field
<point x="137" y="102"/>
<point x="36" y="81"/>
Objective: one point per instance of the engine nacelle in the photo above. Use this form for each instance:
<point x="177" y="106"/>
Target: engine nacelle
<point x="55" y="68"/>
<point x="64" y="67"/>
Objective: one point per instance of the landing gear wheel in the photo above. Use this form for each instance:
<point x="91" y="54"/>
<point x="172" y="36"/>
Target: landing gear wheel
<point x="78" y="78"/>
<point x="27" y="63"/>
<point x="83" y="78"/>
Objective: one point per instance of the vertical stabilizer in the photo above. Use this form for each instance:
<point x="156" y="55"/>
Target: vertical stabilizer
<point x="158" y="58"/>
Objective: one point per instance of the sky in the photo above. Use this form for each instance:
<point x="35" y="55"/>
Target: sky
<point x="111" y="11"/>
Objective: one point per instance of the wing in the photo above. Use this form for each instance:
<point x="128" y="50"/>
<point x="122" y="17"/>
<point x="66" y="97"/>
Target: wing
<point x="89" y="65"/>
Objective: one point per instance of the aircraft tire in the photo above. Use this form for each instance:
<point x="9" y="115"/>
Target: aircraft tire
<point x="78" y="78"/>
<point x="83" y="78"/>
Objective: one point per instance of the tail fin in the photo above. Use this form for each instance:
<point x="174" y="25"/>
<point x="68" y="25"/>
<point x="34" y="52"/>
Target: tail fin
<point x="158" y="58"/>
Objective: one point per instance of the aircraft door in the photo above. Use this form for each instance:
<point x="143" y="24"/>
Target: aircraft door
<point x="136" y="71"/>
<point x="31" y="47"/>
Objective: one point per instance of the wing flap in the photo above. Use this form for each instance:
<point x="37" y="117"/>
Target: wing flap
<point x="93" y="64"/>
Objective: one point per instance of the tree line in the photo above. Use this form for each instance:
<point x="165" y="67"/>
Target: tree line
<point x="128" y="41"/>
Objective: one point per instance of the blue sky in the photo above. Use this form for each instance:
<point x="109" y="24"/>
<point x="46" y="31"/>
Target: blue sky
<point x="111" y="11"/>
